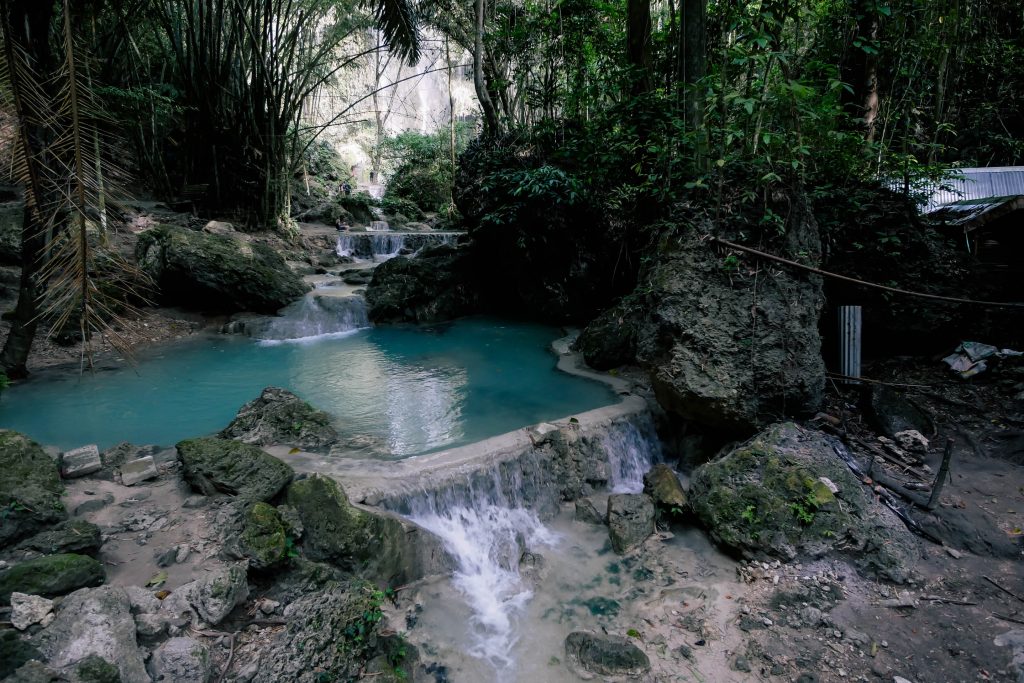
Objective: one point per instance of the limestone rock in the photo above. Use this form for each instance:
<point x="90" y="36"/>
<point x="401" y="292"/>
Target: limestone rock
<point x="630" y="520"/>
<point x="30" y="488"/>
<point x="95" y="669"/>
<point x="30" y="609"/>
<point x="280" y="417"/>
<point x="768" y="498"/>
<point x="216" y="272"/>
<point x="663" y="486"/>
<point x="218" y="228"/>
<point x="356" y="540"/>
<point x="95" y="622"/>
<point x="70" y="536"/>
<point x="135" y="471"/>
<point x="708" y="361"/>
<point x="912" y="440"/>
<point x="432" y="287"/>
<point x="81" y="461"/>
<point x="609" y="341"/>
<point x="263" y="537"/>
<point x="33" y="671"/>
<point x="182" y="660"/>
<point x="605" y="655"/>
<point x="214" y="465"/>
<point x="220" y="592"/>
<point x="890" y="413"/>
<point x="50" y="575"/>
<point x="587" y="512"/>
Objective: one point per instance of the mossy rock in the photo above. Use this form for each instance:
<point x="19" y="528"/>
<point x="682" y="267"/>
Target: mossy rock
<point x="95" y="669"/>
<point x="50" y="575"/>
<point x="663" y="486"/>
<point x="14" y="651"/>
<point x="30" y="488"/>
<point x="769" y="498"/>
<point x="278" y="416"/>
<point x="216" y="272"/>
<point x="353" y="539"/>
<point x="213" y="465"/>
<point x="264" y="541"/>
<point x="69" y="536"/>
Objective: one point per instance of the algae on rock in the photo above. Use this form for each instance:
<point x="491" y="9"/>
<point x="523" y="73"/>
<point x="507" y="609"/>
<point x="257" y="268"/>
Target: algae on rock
<point x="30" y="488"/>
<point x="278" y="416"/>
<point x="263" y="537"/>
<point x="214" y="466"/>
<point x="50" y="575"/>
<point x="773" y="497"/>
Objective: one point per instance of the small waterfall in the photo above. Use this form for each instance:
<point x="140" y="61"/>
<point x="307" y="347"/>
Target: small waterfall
<point x="346" y="246"/>
<point x="488" y="518"/>
<point x="632" y="448"/>
<point x="312" y="317"/>
<point x="370" y="246"/>
<point x="385" y="246"/>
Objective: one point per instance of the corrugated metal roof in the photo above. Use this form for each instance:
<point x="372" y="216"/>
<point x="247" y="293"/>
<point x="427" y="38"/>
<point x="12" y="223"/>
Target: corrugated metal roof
<point x="971" y="214"/>
<point x="979" y="183"/>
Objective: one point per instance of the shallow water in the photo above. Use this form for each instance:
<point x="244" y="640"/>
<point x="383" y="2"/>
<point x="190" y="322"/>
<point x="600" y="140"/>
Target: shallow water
<point x="407" y="390"/>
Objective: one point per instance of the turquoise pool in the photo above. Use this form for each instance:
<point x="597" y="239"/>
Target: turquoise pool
<point x="406" y="390"/>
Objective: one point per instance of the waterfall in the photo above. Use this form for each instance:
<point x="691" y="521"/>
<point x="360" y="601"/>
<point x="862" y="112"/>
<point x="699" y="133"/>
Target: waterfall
<point x="632" y="448"/>
<point x="381" y="246"/>
<point x="313" y="317"/>
<point x="488" y="518"/>
<point x="386" y="246"/>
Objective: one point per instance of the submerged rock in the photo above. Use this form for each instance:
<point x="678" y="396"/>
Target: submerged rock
<point x="280" y="417"/>
<point x="728" y="349"/>
<point x="216" y="272"/>
<point x="50" y="575"/>
<point x="356" y="540"/>
<point x="630" y="520"/>
<point x="771" y="498"/>
<point x="662" y="484"/>
<point x="94" y="622"/>
<point x="605" y="655"/>
<point x="432" y="287"/>
<point x="30" y="488"/>
<point x="214" y="466"/>
<point x="70" y="536"/>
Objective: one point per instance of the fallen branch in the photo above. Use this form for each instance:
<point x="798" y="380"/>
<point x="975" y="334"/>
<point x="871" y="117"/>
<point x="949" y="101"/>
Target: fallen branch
<point x="227" y="664"/>
<point x="1005" y="590"/>
<point x="1006" y="618"/>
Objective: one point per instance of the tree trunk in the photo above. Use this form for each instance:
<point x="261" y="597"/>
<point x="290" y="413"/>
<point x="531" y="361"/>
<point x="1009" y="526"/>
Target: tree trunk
<point x="860" y="68"/>
<point x="638" y="45"/>
<point x="490" y="115"/>
<point x="26" y="24"/>
<point x="694" y="59"/>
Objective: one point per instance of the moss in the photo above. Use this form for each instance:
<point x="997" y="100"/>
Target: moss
<point x="263" y="539"/>
<point x="30" y="488"/>
<point x="14" y="651"/>
<point x="95" y="669"/>
<point x="51" y="575"/>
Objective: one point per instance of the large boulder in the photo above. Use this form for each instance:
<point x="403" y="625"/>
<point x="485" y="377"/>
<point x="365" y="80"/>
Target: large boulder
<point x="610" y="339"/>
<point x="69" y="536"/>
<point x="216" y="272"/>
<point x="209" y="598"/>
<point x="30" y="488"/>
<point x="605" y="655"/>
<point x="214" y="466"/>
<point x="786" y="494"/>
<point x="891" y="413"/>
<point x="727" y="343"/>
<point x="182" y="660"/>
<point x="374" y="545"/>
<point x="50" y="575"/>
<point x="94" y="623"/>
<point x="280" y="417"/>
<point x="630" y="520"/>
<point x="432" y="287"/>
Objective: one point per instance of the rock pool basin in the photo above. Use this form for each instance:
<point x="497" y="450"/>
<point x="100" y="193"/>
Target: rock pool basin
<point x="396" y="391"/>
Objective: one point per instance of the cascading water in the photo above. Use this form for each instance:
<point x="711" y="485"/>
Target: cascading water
<point x="314" y="317"/>
<point x="489" y="522"/>
<point x="382" y="246"/>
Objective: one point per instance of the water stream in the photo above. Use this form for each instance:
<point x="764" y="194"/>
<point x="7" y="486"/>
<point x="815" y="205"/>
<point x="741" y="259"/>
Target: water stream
<point x="382" y="246"/>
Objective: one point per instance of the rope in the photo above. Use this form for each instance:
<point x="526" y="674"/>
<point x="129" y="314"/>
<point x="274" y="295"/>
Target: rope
<point x="863" y="283"/>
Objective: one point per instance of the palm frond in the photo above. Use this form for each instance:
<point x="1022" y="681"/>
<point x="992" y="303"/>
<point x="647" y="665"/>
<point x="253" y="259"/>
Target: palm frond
<point x="396" y="20"/>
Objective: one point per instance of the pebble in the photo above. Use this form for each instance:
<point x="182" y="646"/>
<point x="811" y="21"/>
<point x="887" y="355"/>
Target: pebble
<point x="766" y="621"/>
<point x="182" y="553"/>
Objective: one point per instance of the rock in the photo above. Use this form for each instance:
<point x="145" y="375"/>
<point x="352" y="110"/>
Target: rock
<point x="889" y="412"/>
<point x="93" y="505"/>
<point x="630" y="520"/>
<point x="50" y="575"/>
<point x="81" y="461"/>
<point x="766" y="498"/>
<point x="135" y="471"/>
<point x="30" y="488"/>
<point x="376" y="545"/>
<point x="328" y="636"/>
<point x="95" y="622"/>
<point x="95" y="669"/>
<point x="263" y="538"/>
<point x="14" y="652"/>
<point x="30" y="609"/>
<point x="358" y="277"/>
<point x="605" y="655"/>
<point x="708" y="361"/>
<point x="587" y="512"/>
<point x="210" y="598"/>
<point x="216" y="272"/>
<point x="912" y="440"/>
<point x="609" y="341"/>
<point x="70" y="536"/>
<point x="662" y="484"/>
<point x="181" y="660"/>
<point x="34" y="672"/>
<point x="430" y="288"/>
<point x="214" y="465"/>
<point x="218" y="228"/>
<point x="280" y="417"/>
